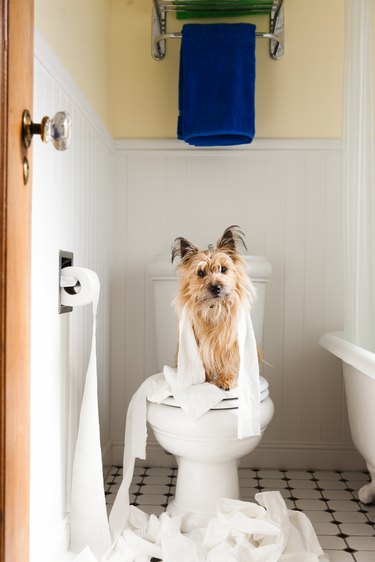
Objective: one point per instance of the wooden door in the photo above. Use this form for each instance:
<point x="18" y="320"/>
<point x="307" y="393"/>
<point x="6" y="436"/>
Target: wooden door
<point x="16" y="84"/>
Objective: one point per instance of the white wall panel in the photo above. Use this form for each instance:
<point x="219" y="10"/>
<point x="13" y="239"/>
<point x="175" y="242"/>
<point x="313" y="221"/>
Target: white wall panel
<point x="72" y="210"/>
<point x="286" y="196"/>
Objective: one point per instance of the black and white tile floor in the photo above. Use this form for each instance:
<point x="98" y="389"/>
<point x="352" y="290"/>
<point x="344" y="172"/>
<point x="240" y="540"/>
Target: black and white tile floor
<point x="345" y="527"/>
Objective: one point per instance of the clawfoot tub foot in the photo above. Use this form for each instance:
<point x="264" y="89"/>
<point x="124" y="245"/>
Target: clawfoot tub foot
<point x="367" y="493"/>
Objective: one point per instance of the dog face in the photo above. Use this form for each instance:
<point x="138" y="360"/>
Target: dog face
<point x="214" y="281"/>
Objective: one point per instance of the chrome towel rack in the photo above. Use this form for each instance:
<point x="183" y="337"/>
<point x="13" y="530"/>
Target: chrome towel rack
<point x="273" y="8"/>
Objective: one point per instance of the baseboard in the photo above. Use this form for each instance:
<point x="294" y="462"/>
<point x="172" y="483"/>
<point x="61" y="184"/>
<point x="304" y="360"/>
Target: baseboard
<point x="107" y="458"/>
<point x="322" y="456"/>
<point x="56" y="547"/>
<point x="118" y="452"/>
<point x="327" y="456"/>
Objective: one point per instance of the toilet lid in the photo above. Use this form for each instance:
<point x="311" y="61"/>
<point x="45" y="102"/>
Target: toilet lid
<point x="230" y="402"/>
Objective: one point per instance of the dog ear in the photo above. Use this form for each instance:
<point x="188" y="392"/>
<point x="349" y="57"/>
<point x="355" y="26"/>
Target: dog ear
<point x="183" y="248"/>
<point x="231" y="239"/>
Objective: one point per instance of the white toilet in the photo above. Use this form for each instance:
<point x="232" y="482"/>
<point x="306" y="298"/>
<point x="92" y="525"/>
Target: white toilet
<point x="207" y="450"/>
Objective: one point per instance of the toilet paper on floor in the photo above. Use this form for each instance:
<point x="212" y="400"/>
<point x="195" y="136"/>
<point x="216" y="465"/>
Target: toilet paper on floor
<point x="239" y="532"/>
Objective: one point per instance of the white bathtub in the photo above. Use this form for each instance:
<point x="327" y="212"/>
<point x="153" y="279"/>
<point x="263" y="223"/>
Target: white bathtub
<point x="359" y="379"/>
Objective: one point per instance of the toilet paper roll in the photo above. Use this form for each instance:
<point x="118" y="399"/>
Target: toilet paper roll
<point x="85" y="292"/>
<point x="88" y="514"/>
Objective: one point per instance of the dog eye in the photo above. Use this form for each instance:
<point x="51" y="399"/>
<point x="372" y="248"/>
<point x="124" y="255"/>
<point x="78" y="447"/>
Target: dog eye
<point x="201" y="273"/>
<point x="223" y="269"/>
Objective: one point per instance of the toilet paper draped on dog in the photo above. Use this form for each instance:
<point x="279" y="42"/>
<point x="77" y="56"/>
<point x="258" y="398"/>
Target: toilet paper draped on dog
<point x="195" y="396"/>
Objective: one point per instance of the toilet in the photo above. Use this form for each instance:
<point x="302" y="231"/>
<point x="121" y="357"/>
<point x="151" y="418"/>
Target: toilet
<point x="207" y="450"/>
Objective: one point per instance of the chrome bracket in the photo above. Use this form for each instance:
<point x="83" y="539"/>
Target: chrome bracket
<point x="277" y="28"/>
<point x="65" y="260"/>
<point x="159" y="27"/>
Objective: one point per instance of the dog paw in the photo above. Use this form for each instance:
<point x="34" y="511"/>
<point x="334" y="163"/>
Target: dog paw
<point x="225" y="382"/>
<point x="223" y="387"/>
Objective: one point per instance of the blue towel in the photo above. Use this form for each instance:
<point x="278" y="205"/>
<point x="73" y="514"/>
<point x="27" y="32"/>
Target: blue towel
<point x="217" y="84"/>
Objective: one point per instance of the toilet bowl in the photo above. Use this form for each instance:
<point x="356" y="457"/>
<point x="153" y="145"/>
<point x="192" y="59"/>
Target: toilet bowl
<point x="208" y="449"/>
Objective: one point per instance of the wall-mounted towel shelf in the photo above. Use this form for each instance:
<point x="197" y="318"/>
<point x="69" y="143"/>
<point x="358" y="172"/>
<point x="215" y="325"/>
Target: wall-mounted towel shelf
<point x="221" y="8"/>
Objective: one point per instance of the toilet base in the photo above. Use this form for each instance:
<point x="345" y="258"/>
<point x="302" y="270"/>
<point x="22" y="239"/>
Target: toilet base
<point x="190" y="520"/>
<point x="202" y="484"/>
<point x="207" y="451"/>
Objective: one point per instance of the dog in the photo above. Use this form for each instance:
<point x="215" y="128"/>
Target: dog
<point x="213" y="285"/>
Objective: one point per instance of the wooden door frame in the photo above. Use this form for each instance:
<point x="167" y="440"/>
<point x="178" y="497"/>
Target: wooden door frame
<point x="16" y="84"/>
<point x="3" y="190"/>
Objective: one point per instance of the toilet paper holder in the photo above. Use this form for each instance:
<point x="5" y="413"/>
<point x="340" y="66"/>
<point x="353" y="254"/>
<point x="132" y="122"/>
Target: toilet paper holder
<point x="66" y="282"/>
<point x="78" y="286"/>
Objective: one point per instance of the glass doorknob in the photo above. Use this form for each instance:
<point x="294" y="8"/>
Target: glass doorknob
<point x="57" y="130"/>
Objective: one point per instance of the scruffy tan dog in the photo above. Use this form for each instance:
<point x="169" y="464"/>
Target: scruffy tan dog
<point x="214" y="284"/>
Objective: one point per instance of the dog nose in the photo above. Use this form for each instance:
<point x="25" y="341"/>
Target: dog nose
<point x="215" y="289"/>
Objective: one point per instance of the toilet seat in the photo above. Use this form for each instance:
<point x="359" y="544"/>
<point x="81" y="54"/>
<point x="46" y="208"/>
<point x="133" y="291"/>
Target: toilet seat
<point x="230" y="402"/>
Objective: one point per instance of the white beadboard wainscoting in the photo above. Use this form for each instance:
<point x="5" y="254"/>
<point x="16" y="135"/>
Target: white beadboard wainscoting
<point x="72" y="210"/>
<point x="286" y="196"/>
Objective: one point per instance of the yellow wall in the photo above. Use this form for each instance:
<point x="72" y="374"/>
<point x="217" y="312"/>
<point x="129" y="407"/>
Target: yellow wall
<point x="105" y="46"/>
<point x="298" y="97"/>
<point x="78" y="31"/>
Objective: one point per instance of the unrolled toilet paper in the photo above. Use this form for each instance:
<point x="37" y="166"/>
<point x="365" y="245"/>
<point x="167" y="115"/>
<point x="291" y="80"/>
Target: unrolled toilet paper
<point x="88" y="514"/>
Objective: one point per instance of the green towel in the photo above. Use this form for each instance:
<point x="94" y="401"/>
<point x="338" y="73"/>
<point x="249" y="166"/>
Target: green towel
<point x="245" y="5"/>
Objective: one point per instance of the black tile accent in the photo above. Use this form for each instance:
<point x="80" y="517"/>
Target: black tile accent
<point x="290" y="489"/>
<point x="342" y="536"/>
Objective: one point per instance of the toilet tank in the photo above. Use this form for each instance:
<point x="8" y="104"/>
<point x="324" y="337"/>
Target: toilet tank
<point x="165" y="283"/>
